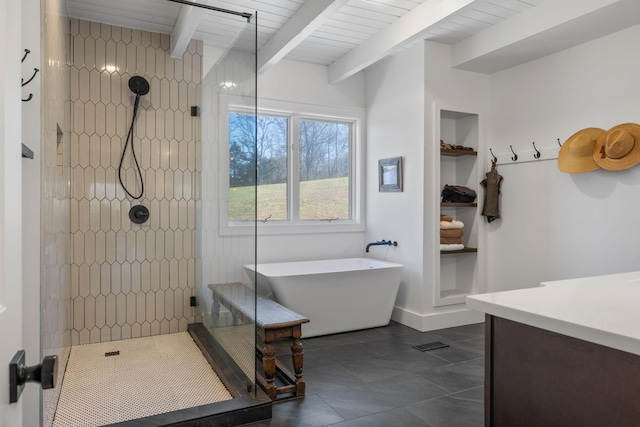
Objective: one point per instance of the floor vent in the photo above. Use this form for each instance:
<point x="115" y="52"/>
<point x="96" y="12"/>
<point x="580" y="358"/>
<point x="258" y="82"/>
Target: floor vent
<point x="430" y="346"/>
<point x="112" y="353"/>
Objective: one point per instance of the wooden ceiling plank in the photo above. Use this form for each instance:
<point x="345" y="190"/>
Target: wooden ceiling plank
<point x="514" y="5"/>
<point x="368" y="14"/>
<point x="495" y="10"/>
<point x="384" y="8"/>
<point x="468" y="22"/>
<point x="365" y="32"/>
<point x="403" y="4"/>
<point x="347" y="33"/>
<point x="404" y="29"/>
<point x="310" y="16"/>
<point x="478" y="15"/>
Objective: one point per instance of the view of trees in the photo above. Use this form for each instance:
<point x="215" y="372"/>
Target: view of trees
<point x="324" y="152"/>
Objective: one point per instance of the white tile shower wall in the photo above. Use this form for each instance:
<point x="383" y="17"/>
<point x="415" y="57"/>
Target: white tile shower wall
<point x="130" y="280"/>
<point x="55" y="274"/>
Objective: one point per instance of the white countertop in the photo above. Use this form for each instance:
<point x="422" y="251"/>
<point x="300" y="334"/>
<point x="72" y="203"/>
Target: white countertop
<point x="604" y="309"/>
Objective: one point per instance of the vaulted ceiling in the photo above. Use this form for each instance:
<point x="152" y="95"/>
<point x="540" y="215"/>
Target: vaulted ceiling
<point x="349" y="35"/>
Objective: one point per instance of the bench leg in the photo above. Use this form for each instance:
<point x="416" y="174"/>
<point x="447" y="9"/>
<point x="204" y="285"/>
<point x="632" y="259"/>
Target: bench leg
<point x="297" y="359"/>
<point x="215" y="311"/>
<point x="269" y="366"/>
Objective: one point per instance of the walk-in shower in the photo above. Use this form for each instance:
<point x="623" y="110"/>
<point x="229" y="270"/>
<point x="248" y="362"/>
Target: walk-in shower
<point x="144" y="208"/>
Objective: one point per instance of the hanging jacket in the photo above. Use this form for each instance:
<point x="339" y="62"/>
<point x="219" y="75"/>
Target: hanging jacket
<point x="491" y="185"/>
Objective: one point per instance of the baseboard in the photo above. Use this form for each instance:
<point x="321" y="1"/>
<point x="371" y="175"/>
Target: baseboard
<point x="433" y="321"/>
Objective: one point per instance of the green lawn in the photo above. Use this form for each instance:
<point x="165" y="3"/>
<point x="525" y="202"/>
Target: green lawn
<point x="320" y="199"/>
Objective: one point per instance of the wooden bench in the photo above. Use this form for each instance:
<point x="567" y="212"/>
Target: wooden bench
<point x="273" y="322"/>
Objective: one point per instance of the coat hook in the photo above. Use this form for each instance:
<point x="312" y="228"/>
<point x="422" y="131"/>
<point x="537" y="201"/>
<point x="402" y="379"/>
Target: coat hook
<point x="495" y="159"/>
<point x="515" y="156"/>
<point x="537" y="155"/>
<point x="559" y="143"/>
<point x="35" y="71"/>
<point x="28" y="98"/>
<point x="26" y="52"/>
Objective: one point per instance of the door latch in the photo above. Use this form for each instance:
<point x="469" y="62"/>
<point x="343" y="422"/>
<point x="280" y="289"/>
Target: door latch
<point x="45" y="373"/>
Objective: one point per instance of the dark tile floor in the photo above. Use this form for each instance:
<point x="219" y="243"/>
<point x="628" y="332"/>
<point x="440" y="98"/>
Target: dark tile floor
<point x="375" y="378"/>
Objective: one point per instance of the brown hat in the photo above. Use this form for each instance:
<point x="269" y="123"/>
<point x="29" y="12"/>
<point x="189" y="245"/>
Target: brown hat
<point x="619" y="148"/>
<point x="576" y="154"/>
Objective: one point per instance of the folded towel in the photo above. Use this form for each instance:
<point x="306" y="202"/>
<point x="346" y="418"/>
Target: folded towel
<point x="447" y="218"/>
<point x="450" y="240"/>
<point x="451" y="247"/>
<point x="452" y="232"/>
<point x="453" y="224"/>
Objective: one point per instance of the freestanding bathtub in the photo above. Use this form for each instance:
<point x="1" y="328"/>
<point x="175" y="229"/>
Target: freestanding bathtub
<point x="337" y="295"/>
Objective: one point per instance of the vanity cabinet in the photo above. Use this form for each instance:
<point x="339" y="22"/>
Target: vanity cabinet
<point x="566" y="353"/>
<point x="458" y="270"/>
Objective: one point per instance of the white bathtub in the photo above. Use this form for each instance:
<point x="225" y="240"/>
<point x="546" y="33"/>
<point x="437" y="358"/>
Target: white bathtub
<point x="337" y="295"/>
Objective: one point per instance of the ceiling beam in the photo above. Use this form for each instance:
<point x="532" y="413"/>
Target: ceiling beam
<point x="403" y="30"/>
<point x="310" y="16"/>
<point x="548" y="28"/>
<point x="184" y="29"/>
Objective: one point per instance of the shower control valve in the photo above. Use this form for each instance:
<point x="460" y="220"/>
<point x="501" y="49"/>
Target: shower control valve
<point x="139" y="214"/>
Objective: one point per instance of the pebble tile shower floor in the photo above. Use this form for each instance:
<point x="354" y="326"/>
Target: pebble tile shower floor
<point x="149" y="376"/>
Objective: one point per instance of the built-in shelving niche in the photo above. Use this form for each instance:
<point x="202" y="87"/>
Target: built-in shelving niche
<point x="459" y="270"/>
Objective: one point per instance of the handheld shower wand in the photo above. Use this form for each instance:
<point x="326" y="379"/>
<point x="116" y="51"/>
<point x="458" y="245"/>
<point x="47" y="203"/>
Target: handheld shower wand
<point x="140" y="86"/>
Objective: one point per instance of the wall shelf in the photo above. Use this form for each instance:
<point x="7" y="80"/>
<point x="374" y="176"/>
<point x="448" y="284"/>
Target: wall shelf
<point x="457" y="153"/>
<point x="459" y="205"/>
<point x="461" y="251"/>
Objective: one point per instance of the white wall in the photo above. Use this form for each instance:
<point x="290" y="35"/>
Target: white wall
<point x="395" y="116"/>
<point x="304" y="83"/>
<point x="556" y="225"/>
<point x="403" y="94"/>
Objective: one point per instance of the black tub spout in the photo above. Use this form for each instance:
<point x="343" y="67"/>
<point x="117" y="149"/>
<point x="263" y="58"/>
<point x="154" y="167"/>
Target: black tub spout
<point x="381" y="243"/>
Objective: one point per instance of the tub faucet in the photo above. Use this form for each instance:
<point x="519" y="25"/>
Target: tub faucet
<point x="381" y="243"/>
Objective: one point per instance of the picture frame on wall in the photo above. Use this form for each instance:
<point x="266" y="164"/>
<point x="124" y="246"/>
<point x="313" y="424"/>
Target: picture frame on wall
<point x="390" y="174"/>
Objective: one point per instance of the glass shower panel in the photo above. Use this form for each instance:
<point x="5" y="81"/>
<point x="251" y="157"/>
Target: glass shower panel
<point x="227" y="211"/>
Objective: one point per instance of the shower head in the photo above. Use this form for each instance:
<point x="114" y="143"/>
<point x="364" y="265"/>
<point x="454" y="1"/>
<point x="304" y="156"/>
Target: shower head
<point x="139" y="85"/>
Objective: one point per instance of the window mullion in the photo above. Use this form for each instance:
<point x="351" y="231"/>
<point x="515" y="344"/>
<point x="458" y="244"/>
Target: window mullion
<point x="294" y="169"/>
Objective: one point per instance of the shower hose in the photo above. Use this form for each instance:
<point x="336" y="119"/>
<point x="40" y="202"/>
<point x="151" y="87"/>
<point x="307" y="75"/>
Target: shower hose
<point x="128" y="141"/>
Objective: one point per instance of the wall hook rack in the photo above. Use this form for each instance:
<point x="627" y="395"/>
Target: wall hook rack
<point x="537" y="153"/>
<point x="515" y="156"/>
<point x="532" y="154"/>
<point x="35" y="71"/>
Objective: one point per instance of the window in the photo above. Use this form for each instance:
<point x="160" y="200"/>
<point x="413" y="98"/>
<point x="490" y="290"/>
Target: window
<point x="324" y="169"/>
<point x="308" y="169"/>
<point x="272" y="166"/>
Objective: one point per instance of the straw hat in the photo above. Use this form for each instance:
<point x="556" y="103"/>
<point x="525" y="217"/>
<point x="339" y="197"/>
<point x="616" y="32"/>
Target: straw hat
<point x="619" y="148"/>
<point x="576" y="154"/>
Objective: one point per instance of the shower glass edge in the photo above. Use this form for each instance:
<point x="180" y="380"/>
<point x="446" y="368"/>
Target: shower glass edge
<point x="222" y="251"/>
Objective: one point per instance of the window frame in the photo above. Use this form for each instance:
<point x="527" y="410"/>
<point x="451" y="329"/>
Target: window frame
<point x="294" y="112"/>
